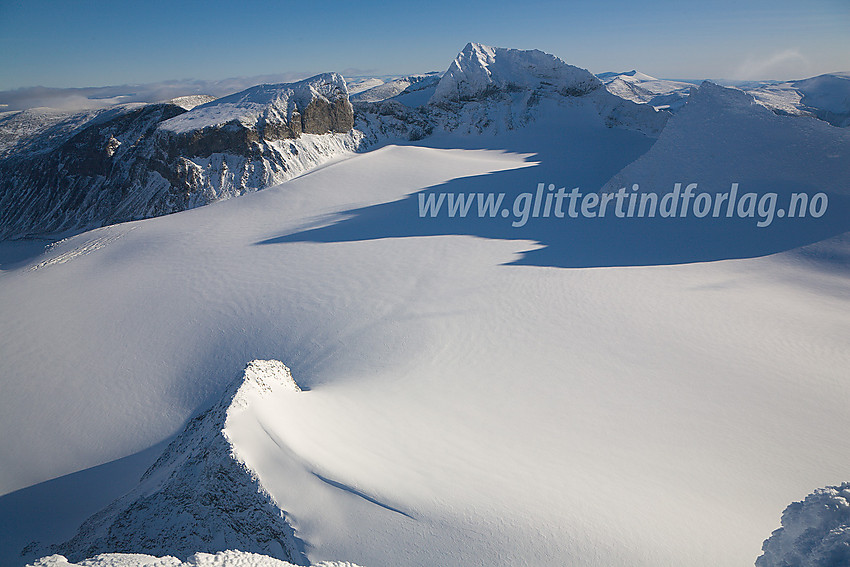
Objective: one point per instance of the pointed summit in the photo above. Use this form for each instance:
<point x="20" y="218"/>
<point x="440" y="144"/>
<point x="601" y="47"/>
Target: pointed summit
<point x="480" y="70"/>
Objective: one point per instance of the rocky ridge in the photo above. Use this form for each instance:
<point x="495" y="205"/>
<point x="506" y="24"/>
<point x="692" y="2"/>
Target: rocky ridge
<point x="198" y="496"/>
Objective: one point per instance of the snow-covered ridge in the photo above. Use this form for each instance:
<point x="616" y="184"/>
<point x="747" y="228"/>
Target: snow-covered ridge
<point x="640" y="87"/>
<point x="191" y="101"/>
<point x="396" y="87"/>
<point x="258" y="106"/>
<point x="826" y="97"/>
<point x="199" y="496"/>
<point x="479" y="70"/>
<point x="230" y="558"/>
<point x="633" y="76"/>
<point x="719" y="124"/>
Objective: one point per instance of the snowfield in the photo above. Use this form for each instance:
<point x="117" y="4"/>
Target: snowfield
<point x="471" y="394"/>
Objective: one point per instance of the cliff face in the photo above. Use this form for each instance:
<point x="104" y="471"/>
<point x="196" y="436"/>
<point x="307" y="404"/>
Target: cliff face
<point x="140" y="162"/>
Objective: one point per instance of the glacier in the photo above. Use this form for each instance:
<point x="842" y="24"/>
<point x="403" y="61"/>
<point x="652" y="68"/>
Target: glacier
<point x="469" y="393"/>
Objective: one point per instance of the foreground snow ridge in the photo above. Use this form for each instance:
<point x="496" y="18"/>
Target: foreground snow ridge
<point x="199" y="496"/>
<point x="814" y="532"/>
<point x="221" y="559"/>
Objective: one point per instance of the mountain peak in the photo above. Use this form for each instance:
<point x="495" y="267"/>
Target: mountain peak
<point x="262" y="376"/>
<point x="164" y="514"/>
<point x="479" y="70"/>
<point x="257" y="105"/>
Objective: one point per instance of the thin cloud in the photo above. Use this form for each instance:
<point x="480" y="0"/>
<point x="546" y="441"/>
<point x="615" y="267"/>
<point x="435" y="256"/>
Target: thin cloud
<point x="786" y="64"/>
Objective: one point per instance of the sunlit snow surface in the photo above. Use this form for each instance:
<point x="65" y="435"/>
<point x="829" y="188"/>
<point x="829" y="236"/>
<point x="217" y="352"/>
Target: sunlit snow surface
<point x="458" y="409"/>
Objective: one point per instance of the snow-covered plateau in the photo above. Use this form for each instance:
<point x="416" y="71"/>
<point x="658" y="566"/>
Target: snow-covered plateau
<point x="317" y="373"/>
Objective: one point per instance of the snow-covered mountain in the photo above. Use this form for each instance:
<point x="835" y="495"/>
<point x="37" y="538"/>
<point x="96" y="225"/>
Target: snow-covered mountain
<point x="489" y="90"/>
<point x="404" y="89"/>
<point x="148" y="160"/>
<point x="826" y="97"/>
<point x="473" y="392"/>
<point x="69" y="171"/>
<point x="640" y="87"/>
<point x="144" y="161"/>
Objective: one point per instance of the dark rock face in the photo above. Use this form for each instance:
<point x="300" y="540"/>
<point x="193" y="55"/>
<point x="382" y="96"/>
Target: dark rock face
<point x="84" y="179"/>
<point x="132" y="166"/>
<point x="321" y="116"/>
<point x="230" y="137"/>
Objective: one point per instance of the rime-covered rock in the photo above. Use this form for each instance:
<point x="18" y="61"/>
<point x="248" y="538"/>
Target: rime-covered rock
<point x="199" y="496"/>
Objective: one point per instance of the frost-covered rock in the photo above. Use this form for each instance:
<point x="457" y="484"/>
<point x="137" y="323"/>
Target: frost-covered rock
<point x="814" y="532"/>
<point x="199" y="496"/>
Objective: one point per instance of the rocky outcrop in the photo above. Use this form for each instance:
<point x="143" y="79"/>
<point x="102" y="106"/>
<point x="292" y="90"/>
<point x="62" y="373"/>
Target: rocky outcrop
<point x="814" y="532"/>
<point x="198" y="496"/>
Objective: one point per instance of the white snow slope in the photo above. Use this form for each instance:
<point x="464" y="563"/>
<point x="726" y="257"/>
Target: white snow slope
<point x="256" y="105"/>
<point x="825" y="96"/>
<point x="640" y="87"/>
<point x="458" y="409"/>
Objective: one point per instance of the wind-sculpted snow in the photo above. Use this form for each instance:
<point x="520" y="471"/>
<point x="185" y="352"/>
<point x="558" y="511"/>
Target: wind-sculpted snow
<point x="199" y="495"/>
<point x="230" y="558"/>
<point x="94" y="242"/>
<point x="814" y="532"/>
<point x="458" y="409"/>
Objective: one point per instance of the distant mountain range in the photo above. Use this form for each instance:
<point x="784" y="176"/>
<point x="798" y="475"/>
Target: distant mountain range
<point x="68" y="171"/>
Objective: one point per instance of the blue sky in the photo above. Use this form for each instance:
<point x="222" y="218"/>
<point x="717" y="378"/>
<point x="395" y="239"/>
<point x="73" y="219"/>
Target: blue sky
<point x="98" y="43"/>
